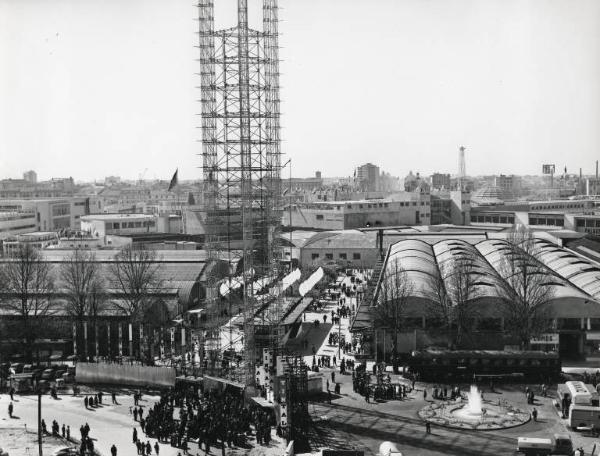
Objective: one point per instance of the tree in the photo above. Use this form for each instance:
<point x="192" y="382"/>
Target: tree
<point x="135" y="275"/>
<point x="526" y="288"/>
<point x="452" y="294"/>
<point x="81" y="284"/>
<point x="390" y="312"/>
<point x="27" y="285"/>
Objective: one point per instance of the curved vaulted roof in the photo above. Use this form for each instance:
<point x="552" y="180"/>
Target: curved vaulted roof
<point x="497" y="252"/>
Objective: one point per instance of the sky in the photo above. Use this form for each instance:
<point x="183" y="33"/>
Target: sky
<point x="90" y="89"/>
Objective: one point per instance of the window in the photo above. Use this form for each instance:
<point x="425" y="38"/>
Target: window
<point x="356" y="256"/>
<point x="319" y="216"/>
<point x="329" y="256"/>
<point x="115" y="226"/>
<point x="343" y="256"/>
<point x="315" y="256"/>
<point x="349" y="206"/>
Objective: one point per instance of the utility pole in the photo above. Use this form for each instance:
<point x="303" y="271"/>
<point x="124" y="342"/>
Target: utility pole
<point x="40" y="421"/>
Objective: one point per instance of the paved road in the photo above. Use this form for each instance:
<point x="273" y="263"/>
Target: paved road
<point x="109" y="423"/>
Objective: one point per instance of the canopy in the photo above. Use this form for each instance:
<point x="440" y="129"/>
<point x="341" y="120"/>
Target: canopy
<point x="309" y="283"/>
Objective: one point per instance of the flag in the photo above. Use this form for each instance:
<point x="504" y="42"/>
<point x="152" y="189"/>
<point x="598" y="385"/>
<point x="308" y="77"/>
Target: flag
<point x="173" y="181"/>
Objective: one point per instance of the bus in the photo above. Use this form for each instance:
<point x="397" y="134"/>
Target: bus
<point x="430" y="364"/>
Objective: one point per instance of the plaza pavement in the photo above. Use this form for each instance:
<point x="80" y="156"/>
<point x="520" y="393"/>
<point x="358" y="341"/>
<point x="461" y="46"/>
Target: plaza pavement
<point x="109" y="424"/>
<point x="351" y="423"/>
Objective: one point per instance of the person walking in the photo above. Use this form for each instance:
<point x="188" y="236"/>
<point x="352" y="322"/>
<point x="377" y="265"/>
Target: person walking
<point x="114" y="397"/>
<point x="63" y="430"/>
<point x="113" y="450"/>
<point x="12" y="393"/>
<point x="135" y="435"/>
<point x="428" y="427"/>
<point x="10" y="409"/>
<point x="156" y="448"/>
<point x="85" y="402"/>
<point x="534" y="414"/>
<point x="68" y="433"/>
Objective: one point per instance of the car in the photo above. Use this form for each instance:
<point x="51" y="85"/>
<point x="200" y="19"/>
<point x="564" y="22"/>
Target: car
<point x="65" y="451"/>
<point x="48" y="374"/>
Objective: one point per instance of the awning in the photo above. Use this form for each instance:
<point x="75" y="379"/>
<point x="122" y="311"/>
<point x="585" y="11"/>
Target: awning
<point x="296" y="312"/>
<point x="262" y="402"/>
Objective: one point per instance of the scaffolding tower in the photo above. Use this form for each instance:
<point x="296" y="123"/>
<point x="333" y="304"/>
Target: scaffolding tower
<point x="241" y="153"/>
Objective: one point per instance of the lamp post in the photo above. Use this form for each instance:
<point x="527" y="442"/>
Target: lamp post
<point x="39" y="393"/>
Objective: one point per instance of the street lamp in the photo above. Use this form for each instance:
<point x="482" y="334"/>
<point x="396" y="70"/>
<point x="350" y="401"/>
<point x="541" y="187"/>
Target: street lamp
<point x="39" y="393"/>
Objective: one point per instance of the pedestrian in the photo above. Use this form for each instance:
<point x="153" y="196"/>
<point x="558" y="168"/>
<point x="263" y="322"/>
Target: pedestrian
<point x="63" y="430"/>
<point x="113" y="450"/>
<point x="534" y="414"/>
<point x="69" y="433"/>
<point x="135" y="436"/>
<point x="156" y="448"/>
<point x="135" y="414"/>
<point x="10" y="409"/>
<point x="85" y="402"/>
<point x="425" y="394"/>
<point x="427" y="427"/>
<point x="114" y="397"/>
<point x="334" y="360"/>
<point x="148" y="447"/>
<point x="332" y="376"/>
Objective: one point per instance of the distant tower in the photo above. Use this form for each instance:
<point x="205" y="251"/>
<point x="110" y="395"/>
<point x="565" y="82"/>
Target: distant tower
<point x="462" y="171"/>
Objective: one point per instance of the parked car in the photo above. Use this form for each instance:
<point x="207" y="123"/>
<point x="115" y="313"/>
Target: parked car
<point x="48" y="375"/>
<point x="65" y="451"/>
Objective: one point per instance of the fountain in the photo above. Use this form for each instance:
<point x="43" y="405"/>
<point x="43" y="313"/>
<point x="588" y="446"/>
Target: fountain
<point x="474" y="401"/>
<point x="474" y="413"/>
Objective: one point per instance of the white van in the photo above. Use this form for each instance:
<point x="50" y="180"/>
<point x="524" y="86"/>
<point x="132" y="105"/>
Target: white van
<point x="558" y="444"/>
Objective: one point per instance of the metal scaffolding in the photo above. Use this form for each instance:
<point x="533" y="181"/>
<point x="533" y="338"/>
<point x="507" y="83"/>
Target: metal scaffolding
<point x="239" y="72"/>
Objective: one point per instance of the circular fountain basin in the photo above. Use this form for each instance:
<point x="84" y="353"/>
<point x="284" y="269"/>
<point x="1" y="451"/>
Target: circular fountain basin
<point x="494" y="415"/>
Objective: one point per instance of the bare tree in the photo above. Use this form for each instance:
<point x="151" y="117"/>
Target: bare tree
<point x="452" y="295"/>
<point x="27" y="286"/>
<point x="80" y="280"/>
<point x="135" y="275"/>
<point x="390" y="312"/>
<point x="526" y="288"/>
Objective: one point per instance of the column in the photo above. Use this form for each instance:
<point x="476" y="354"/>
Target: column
<point x="120" y="339"/>
<point x="108" y="353"/>
<point x="85" y="341"/>
<point x="130" y="340"/>
<point x="75" y="339"/>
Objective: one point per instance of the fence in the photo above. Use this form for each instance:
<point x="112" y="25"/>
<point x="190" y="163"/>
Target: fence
<point x="122" y="374"/>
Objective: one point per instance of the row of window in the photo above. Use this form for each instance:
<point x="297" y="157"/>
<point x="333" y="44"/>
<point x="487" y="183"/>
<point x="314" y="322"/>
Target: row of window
<point x="559" y="206"/>
<point x="342" y="256"/>
<point x="587" y="223"/>
<point x="493" y="219"/>
<point x="547" y="221"/>
<point x="123" y="225"/>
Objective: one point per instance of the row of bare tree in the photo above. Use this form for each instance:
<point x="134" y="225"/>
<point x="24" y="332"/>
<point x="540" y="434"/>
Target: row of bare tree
<point x="31" y="288"/>
<point x="521" y="284"/>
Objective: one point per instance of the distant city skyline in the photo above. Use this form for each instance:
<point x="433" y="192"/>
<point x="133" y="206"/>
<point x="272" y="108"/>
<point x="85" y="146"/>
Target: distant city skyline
<point x="91" y="89"/>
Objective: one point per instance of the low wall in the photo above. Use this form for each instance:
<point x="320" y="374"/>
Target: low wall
<point x="122" y="374"/>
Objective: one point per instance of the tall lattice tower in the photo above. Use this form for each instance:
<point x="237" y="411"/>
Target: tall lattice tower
<point x="462" y="170"/>
<point x="239" y="70"/>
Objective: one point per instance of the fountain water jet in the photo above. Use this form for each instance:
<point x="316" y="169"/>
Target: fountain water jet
<point x="474" y="401"/>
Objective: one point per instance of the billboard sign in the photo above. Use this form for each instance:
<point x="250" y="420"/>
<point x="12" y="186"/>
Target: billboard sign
<point x="548" y="169"/>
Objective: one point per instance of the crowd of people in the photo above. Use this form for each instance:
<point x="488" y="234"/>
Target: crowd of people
<point x="209" y="418"/>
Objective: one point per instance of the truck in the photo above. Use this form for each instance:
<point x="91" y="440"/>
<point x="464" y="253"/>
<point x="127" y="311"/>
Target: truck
<point x="535" y="446"/>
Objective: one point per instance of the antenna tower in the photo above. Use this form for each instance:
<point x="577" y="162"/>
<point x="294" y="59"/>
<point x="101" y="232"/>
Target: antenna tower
<point x="462" y="172"/>
<point x="241" y="158"/>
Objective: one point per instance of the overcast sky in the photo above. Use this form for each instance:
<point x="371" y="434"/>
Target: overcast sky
<point x="93" y="88"/>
